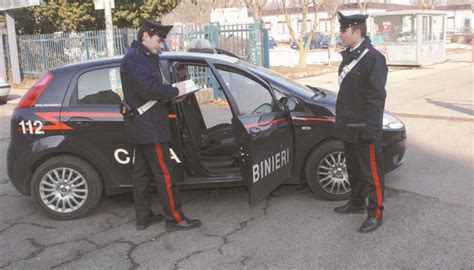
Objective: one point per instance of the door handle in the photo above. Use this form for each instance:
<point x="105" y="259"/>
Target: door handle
<point x="255" y="130"/>
<point x="81" y="121"/>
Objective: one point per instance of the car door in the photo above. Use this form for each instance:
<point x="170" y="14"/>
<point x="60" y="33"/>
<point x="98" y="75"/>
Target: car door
<point x="263" y="131"/>
<point x="92" y="122"/>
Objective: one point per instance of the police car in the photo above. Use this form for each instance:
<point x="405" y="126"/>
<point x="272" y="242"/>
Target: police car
<point x="68" y="144"/>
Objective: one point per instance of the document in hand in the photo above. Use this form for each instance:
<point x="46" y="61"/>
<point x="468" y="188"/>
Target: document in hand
<point x="190" y="87"/>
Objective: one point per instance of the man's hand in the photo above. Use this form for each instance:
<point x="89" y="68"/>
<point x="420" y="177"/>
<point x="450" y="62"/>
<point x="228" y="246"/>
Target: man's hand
<point x="181" y="88"/>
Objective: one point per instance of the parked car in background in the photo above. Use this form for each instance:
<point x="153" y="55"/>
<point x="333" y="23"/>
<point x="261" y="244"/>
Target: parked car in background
<point x="325" y="40"/>
<point x="4" y="90"/>
<point x="272" y="43"/>
<point x="315" y="41"/>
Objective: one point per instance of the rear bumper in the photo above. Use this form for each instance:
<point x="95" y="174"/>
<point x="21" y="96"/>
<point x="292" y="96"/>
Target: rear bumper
<point x="19" y="161"/>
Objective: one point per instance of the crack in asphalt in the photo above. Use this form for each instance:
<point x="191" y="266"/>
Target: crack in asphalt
<point x="39" y="248"/>
<point x="176" y="264"/>
<point x="11" y="196"/>
<point x="4" y="181"/>
<point x="18" y="222"/>
<point x="133" y="246"/>
<point x="242" y="226"/>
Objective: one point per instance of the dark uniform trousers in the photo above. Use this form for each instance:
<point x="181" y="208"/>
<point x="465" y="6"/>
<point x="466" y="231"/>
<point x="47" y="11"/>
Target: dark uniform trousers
<point x="153" y="160"/>
<point x="364" y="166"/>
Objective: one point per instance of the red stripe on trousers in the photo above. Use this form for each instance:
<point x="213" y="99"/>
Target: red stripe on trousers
<point x="375" y="175"/>
<point x="166" y="173"/>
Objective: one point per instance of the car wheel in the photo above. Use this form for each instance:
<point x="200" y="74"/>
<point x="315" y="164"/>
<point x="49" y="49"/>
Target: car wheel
<point x="66" y="187"/>
<point x="326" y="171"/>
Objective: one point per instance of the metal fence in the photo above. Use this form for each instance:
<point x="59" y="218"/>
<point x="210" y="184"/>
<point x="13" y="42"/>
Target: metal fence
<point x="39" y="53"/>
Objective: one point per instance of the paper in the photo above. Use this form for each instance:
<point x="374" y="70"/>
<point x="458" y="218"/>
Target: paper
<point x="190" y="87"/>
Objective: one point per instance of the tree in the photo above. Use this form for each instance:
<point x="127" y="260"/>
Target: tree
<point x="362" y="6"/>
<point x="331" y="7"/>
<point x="76" y="16"/>
<point x="38" y="19"/>
<point x="256" y="6"/>
<point x="299" y="40"/>
<point x="425" y="4"/>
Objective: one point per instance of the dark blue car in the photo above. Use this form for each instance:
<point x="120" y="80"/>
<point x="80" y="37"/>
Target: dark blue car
<point x="325" y="40"/>
<point x="271" y="42"/>
<point x="315" y="41"/>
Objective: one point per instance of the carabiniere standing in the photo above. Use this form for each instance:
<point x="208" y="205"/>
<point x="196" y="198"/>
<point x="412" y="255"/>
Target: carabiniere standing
<point x="147" y="126"/>
<point x="359" y="118"/>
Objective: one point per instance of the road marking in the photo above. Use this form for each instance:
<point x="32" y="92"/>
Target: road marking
<point x="435" y="117"/>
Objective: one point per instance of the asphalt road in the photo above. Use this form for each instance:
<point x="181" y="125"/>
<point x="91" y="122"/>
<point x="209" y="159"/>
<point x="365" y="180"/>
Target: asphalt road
<point x="428" y="217"/>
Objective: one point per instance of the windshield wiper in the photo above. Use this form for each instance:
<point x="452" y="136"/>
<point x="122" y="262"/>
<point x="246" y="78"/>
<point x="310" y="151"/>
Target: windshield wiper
<point x="316" y="90"/>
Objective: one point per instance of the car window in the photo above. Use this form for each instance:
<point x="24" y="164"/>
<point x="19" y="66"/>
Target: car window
<point x="278" y="78"/>
<point x="212" y="102"/>
<point x="100" y="87"/>
<point x="250" y="96"/>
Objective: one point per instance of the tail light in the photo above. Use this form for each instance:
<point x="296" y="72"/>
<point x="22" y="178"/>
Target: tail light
<point x="30" y="98"/>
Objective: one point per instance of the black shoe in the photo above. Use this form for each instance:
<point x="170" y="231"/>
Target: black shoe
<point x="155" y="219"/>
<point x="370" y="224"/>
<point x="350" y="208"/>
<point x="186" y="224"/>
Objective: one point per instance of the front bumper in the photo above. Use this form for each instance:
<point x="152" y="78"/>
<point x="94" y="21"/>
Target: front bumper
<point x="393" y="149"/>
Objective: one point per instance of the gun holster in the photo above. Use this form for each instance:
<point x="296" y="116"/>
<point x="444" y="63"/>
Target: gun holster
<point x="126" y="110"/>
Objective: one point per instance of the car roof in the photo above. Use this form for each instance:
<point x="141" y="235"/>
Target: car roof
<point x="166" y="55"/>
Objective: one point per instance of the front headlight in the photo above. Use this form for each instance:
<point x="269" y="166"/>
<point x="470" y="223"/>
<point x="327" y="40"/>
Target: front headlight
<point x="391" y="122"/>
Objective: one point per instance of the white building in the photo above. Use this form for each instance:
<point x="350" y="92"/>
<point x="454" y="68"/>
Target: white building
<point x="459" y="15"/>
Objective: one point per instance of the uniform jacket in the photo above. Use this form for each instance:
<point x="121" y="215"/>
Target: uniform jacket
<point x="142" y="82"/>
<point x="361" y="98"/>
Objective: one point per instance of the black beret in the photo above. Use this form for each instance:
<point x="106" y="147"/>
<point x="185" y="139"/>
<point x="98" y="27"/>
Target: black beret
<point x="156" y="28"/>
<point x="348" y="21"/>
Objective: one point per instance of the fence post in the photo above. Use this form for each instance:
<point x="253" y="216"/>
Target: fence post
<point x="255" y="46"/>
<point x="86" y="44"/>
<point x="265" y="49"/>
<point x="45" y="55"/>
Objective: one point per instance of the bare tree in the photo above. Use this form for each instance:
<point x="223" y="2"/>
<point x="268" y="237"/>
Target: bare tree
<point x="331" y="7"/>
<point x="256" y="6"/>
<point x="362" y="6"/>
<point x="299" y="37"/>
<point x="425" y="4"/>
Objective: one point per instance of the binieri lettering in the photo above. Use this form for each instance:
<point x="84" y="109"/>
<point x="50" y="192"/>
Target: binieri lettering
<point x="270" y="164"/>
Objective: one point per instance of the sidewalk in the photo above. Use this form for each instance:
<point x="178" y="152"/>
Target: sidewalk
<point x="440" y="90"/>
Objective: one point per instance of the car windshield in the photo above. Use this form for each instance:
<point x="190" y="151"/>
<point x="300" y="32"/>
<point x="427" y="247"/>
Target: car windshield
<point x="280" y="79"/>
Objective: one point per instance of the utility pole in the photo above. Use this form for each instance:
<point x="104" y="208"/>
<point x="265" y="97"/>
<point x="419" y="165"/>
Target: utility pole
<point x="12" y="45"/>
<point x="109" y="28"/>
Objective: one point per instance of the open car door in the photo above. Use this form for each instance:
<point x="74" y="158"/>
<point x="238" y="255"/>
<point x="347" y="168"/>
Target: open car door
<point x="263" y="131"/>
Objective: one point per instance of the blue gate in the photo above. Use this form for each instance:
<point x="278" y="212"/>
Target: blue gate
<point x="39" y="53"/>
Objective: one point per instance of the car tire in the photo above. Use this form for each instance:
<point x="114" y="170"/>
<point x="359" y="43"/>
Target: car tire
<point x="328" y="182"/>
<point x="66" y="187"/>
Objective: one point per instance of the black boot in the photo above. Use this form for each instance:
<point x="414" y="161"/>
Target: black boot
<point x="155" y="219"/>
<point x="351" y="208"/>
<point x="185" y="224"/>
<point x="370" y="224"/>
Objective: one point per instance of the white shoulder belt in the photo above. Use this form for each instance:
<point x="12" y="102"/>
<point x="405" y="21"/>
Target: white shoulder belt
<point x="347" y="68"/>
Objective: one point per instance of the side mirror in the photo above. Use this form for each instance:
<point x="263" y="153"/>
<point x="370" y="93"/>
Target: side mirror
<point x="287" y="104"/>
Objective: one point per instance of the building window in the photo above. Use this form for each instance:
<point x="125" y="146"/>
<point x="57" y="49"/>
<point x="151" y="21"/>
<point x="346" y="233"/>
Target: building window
<point x="467" y="23"/>
<point x="300" y="25"/>
<point x="282" y="27"/>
